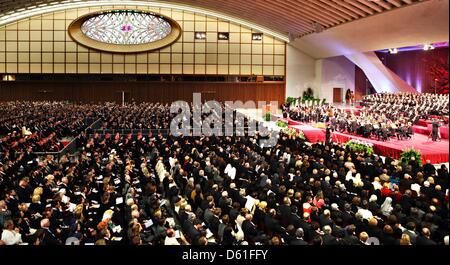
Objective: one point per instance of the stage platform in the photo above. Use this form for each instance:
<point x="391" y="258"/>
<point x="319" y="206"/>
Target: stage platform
<point x="425" y="127"/>
<point x="436" y="152"/>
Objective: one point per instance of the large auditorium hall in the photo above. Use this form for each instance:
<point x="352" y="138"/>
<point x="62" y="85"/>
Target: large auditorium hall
<point x="234" y="130"/>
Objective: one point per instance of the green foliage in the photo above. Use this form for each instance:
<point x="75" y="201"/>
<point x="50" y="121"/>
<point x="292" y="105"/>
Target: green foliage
<point x="359" y="147"/>
<point x="282" y="124"/>
<point x="307" y="98"/>
<point x="313" y="100"/>
<point x="291" y="100"/>
<point x="268" y="116"/>
<point x="408" y="154"/>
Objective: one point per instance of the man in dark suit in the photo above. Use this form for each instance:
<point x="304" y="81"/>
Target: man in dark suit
<point x="215" y="222"/>
<point x="285" y="211"/>
<point x="49" y="237"/>
<point x="327" y="238"/>
<point x="298" y="240"/>
<point x="424" y="239"/>
<point x="193" y="230"/>
<point x="428" y="168"/>
<point x="328" y="135"/>
<point x="249" y="228"/>
<point x="435" y="130"/>
<point x="272" y="223"/>
<point x="294" y="218"/>
<point x="350" y="238"/>
<point x="325" y="218"/>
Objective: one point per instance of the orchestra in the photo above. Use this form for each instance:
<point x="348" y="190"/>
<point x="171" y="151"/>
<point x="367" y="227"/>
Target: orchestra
<point x="382" y="116"/>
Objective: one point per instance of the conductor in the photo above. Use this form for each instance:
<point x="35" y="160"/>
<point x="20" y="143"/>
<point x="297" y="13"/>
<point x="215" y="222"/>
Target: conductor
<point x="435" y="130"/>
<point x="328" y="134"/>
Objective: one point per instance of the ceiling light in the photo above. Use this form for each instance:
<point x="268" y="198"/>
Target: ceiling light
<point x="393" y="51"/>
<point x="427" y="47"/>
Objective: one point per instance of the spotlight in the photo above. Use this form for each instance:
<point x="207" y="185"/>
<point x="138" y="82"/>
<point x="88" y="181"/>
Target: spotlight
<point x="393" y="51"/>
<point x="427" y="47"/>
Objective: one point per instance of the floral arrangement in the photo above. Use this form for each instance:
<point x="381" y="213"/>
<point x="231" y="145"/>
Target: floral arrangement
<point x="408" y="154"/>
<point x="357" y="146"/>
<point x="294" y="133"/>
<point x="282" y="123"/>
<point x="320" y="125"/>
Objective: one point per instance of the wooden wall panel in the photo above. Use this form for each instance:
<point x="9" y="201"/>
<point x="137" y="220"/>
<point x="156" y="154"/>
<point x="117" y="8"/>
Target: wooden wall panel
<point x="165" y="92"/>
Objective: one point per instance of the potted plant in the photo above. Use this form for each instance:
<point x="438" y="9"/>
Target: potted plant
<point x="408" y="154"/>
<point x="294" y="133"/>
<point x="282" y="123"/>
<point x="357" y="146"/>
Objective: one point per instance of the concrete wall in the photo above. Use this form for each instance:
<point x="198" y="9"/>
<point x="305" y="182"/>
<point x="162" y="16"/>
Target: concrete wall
<point x="334" y="72"/>
<point x="321" y="75"/>
<point x="300" y="72"/>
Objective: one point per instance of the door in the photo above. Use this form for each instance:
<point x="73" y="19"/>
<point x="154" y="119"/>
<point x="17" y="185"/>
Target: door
<point x="337" y="95"/>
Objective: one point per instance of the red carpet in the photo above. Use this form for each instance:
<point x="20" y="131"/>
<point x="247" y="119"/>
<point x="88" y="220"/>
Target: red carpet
<point x="313" y="135"/>
<point x="436" y="152"/>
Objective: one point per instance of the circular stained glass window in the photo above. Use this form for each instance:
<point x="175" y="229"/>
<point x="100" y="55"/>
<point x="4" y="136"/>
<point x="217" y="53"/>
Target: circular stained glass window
<point x="124" y="31"/>
<point x="128" y="27"/>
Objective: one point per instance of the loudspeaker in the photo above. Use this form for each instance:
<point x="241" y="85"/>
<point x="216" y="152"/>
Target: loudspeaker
<point x="317" y="27"/>
<point x="291" y="37"/>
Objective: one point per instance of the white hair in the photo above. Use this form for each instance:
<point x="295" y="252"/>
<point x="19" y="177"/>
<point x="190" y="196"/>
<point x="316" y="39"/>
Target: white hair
<point x="334" y="206"/>
<point x="45" y="223"/>
<point x="327" y="229"/>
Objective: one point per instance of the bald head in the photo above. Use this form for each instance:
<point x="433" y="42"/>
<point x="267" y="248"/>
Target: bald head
<point x="426" y="232"/>
<point x="45" y="223"/>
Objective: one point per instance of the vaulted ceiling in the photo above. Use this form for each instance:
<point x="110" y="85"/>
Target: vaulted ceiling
<point x="295" y="17"/>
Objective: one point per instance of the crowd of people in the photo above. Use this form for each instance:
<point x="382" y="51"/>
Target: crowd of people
<point x="155" y="189"/>
<point x="40" y="126"/>
<point x="413" y="106"/>
<point x="367" y="123"/>
<point x="136" y="116"/>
